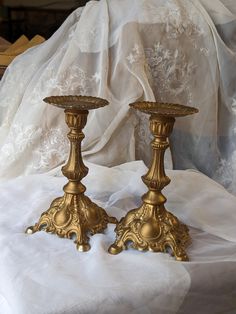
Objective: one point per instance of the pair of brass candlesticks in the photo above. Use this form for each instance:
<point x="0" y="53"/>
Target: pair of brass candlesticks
<point x="149" y="227"/>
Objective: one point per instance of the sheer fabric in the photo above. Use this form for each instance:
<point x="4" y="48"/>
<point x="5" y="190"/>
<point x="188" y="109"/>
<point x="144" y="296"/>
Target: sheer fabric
<point x="180" y="51"/>
<point x="42" y="273"/>
<point x="168" y="50"/>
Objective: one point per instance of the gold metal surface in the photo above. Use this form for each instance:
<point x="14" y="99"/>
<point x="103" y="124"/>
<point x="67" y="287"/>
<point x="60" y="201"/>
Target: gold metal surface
<point x="151" y="227"/>
<point x="74" y="215"/>
<point x="164" y="109"/>
<point x="76" y="102"/>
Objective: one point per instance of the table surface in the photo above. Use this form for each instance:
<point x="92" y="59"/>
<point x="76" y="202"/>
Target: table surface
<point x="4" y="44"/>
<point x="2" y="70"/>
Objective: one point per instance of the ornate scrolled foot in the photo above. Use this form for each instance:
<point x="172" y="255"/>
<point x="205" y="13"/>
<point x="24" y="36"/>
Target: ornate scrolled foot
<point x="179" y="239"/>
<point x="114" y="249"/>
<point x="73" y="217"/>
<point x="145" y="230"/>
<point x="182" y="258"/>
<point x="112" y="220"/>
<point x="30" y="230"/>
<point x="179" y="253"/>
<point x="40" y="226"/>
<point x="83" y="247"/>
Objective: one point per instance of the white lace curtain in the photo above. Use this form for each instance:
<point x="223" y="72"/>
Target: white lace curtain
<point x="180" y="51"/>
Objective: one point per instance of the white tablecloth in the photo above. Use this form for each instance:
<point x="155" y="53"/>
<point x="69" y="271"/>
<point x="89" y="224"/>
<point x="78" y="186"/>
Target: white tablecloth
<point x="42" y="273"/>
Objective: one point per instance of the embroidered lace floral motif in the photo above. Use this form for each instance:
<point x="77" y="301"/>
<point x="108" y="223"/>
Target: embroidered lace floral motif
<point x="170" y="76"/>
<point x="71" y="81"/>
<point x="169" y="70"/>
<point x="176" y="20"/>
<point x="52" y="150"/>
<point x="18" y="140"/>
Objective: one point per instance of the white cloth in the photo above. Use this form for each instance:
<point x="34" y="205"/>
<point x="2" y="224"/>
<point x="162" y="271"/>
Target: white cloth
<point x="42" y="273"/>
<point x="173" y="51"/>
<point x="169" y="50"/>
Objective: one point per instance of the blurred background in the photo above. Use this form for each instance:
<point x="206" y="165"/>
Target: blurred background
<point x="31" y="17"/>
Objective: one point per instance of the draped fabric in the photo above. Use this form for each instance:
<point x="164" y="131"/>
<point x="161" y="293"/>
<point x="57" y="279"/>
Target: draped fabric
<point x="42" y="273"/>
<point x="180" y="51"/>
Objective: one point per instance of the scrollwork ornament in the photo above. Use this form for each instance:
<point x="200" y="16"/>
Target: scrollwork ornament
<point x="74" y="216"/>
<point x="151" y="227"/>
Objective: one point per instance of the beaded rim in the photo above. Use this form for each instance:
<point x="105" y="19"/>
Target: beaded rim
<point x="78" y="102"/>
<point x="164" y="109"/>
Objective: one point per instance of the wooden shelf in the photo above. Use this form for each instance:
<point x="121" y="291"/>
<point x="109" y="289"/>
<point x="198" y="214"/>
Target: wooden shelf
<point x="2" y="70"/>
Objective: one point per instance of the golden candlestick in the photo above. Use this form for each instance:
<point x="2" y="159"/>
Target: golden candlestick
<point x="151" y="227"/>
<point x="74" y="215"/>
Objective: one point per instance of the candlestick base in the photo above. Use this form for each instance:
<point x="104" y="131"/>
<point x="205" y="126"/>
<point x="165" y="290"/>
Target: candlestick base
<point x="73" y="217"/>
<point x="146" y="229"/>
